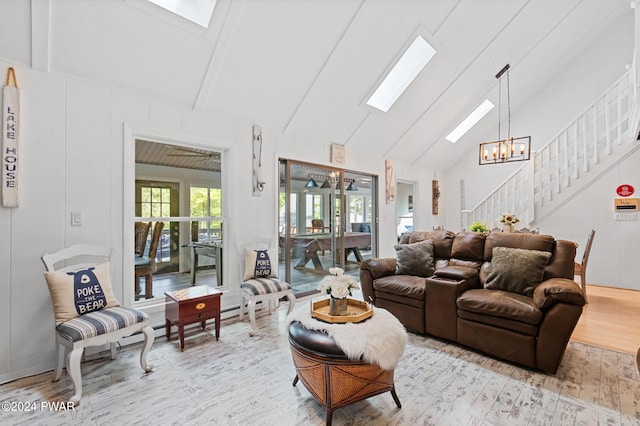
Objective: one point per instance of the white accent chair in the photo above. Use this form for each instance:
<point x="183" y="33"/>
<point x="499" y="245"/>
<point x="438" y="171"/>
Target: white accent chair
<point x="267" y="290"/>
<point x="95" y="328"/>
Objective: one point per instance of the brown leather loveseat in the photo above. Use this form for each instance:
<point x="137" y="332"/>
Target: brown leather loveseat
<point x="468" y="296"/>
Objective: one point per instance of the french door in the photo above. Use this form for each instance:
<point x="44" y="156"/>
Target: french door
<point x="327" y="219"/>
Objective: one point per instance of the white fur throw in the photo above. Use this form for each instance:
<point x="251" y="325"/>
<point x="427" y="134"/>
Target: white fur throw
<point x="378" y="340"/>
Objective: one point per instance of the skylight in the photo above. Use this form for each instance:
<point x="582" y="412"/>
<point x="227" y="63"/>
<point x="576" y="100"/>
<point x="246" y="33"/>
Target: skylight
<point x="402" y="74"/>
<point x="197" y="11"/>
<point x="470" y="121"/>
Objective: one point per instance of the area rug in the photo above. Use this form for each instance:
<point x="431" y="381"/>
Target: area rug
<point x="242" y="380"/>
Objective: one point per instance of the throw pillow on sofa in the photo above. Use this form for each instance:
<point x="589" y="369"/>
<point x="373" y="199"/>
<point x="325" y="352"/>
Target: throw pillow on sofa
<point x="517" y="270"/>
<point x="415" y="259"/>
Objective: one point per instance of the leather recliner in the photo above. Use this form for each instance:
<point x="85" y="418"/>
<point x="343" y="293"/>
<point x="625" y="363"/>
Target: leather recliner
<point x="454" y="305"/>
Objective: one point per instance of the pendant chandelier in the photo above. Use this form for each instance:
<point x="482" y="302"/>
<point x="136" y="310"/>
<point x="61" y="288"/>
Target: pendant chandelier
<point x="505" y="150"/>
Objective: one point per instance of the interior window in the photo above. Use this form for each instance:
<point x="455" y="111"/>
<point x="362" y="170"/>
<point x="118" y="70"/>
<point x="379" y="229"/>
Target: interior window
<point x="207" y="202"/>
<point x="180" y="187"/>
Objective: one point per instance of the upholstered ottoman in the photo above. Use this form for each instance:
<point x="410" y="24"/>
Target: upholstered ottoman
<point x="334" y="380"/>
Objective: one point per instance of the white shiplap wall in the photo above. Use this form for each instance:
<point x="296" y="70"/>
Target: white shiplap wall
<point x="77" y="155"/>
<point x="73" y="149"/>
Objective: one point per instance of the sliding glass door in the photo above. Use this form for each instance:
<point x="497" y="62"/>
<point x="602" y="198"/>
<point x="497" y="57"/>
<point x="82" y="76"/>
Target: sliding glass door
<point x="326" y="220"/>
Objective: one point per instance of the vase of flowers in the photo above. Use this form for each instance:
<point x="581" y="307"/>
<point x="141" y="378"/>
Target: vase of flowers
<point x="508" y="220"/>
<point x="338" y="286"/>
<point x="338" y="307"/>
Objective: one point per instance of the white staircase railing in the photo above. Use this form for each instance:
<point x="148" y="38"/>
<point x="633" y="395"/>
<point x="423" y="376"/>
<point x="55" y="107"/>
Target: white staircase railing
<point x="514" y="195"/>
<point x="597" y="138"/>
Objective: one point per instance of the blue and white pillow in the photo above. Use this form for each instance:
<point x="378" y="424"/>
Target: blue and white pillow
<point x="80" y="291"/>
<point x="259" y="263"/>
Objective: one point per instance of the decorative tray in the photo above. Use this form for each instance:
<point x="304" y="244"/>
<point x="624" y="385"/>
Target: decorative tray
<point x="358" y="311"/>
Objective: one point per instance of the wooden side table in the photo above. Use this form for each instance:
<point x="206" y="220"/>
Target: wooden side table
<point x="191" y="305"/>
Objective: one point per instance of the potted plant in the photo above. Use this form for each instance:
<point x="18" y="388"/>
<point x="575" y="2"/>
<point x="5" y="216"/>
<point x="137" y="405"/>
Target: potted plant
<point x="478" y="226"/>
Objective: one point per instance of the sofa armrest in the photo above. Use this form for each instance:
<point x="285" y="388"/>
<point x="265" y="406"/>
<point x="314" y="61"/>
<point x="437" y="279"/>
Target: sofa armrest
<point x="458" y="273"/>
<point x="558" y="290"/>
<point x="441" y="292"/>
<point x="372" y="269"/>
<point x="379" y="267"/>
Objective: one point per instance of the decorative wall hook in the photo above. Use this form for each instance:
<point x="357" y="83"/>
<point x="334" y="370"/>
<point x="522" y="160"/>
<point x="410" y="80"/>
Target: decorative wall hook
<point x="435" y="194"/>
<point x="390" y="189"/>
<point x="258" y="181"/>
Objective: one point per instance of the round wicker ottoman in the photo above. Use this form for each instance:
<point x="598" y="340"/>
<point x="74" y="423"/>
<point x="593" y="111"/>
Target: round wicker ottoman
<point x="332" y="378"/>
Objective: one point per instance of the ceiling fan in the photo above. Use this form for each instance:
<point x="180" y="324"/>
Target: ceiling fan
<point x="192" y="152"/>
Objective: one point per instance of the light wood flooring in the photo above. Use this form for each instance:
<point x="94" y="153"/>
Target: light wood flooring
<point x="610" y="320"/>
<point x="242" y="380"/>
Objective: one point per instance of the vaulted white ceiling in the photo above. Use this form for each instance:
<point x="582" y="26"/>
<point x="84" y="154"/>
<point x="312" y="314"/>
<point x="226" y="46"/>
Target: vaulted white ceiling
<point x="309" y="66"/>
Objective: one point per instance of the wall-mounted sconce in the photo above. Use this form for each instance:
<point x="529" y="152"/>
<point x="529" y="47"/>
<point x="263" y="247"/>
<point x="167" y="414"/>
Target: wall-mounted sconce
<point x="258" y="181"/>
<point x="390" y="189"/>
<point x="435" y="194"/>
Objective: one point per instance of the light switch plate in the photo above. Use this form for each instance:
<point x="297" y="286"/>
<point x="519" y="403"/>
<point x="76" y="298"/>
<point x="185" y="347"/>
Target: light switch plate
<point x="76" y="218"/>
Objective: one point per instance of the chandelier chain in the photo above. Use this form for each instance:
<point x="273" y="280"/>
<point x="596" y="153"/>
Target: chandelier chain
<point x="499" y="105"/>
<point x="508" y="106"/>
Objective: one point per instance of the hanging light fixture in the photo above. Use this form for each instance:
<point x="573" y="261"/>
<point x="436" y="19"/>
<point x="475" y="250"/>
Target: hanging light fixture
<point x="311" y="183"/>
<point x="505" y="150"/>
<point x="352" y="185"/>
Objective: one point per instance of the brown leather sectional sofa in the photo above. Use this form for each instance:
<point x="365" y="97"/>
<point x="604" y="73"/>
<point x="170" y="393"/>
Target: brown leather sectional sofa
<point x="531" y="330"/>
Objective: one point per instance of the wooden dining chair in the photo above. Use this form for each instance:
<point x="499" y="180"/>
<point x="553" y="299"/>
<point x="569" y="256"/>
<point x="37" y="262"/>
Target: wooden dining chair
<point x="581" y="268"/>
<point x="141" y="234"/>
<point x="195" y="231"/>
<point x="317" y="227"/>
<point x="145" y="266"/>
